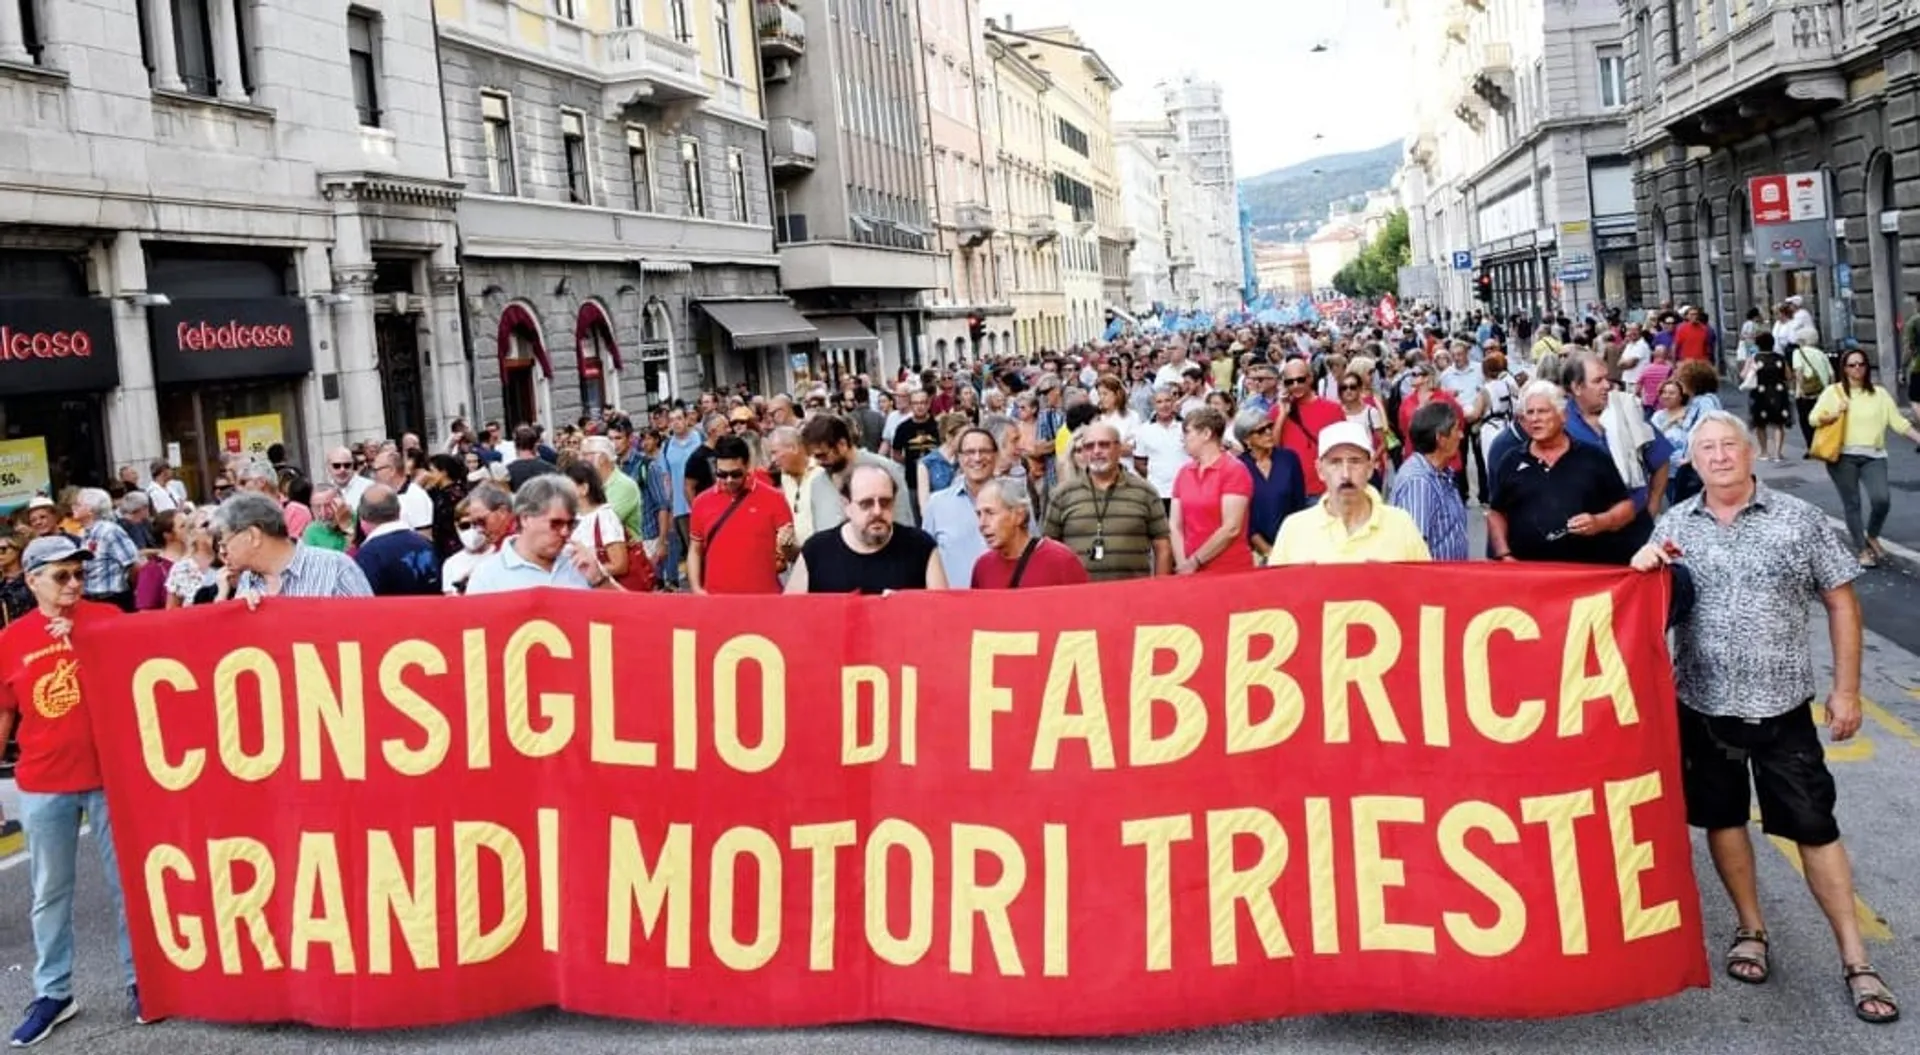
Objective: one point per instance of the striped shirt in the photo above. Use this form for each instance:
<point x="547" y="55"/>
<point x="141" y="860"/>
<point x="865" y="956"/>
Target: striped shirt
<point x="313" y="572"/>
<point x="1111" y="531"/>
<point x="1431" y="499"/>
<point x="114" y="555"/>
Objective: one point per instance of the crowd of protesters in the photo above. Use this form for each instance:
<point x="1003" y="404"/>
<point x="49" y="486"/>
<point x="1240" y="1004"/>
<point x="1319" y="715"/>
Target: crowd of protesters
<point x="1599" y="441"/>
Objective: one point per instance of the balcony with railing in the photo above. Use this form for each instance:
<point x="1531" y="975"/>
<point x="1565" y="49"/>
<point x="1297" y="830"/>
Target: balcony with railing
<point x="792" y="147"/>
<point x="1774" y="69"/>
<point x="783" y="29"/>
<point x="646" y="68"/>
<point x="973" y="222"/>
<point x="1041" y="229"/>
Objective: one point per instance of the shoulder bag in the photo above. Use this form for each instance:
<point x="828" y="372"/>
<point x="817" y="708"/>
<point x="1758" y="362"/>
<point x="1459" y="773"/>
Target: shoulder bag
<point x="1020" y="569"/>
<point x="1827" y="439"/>
<point x="639" y="576"/>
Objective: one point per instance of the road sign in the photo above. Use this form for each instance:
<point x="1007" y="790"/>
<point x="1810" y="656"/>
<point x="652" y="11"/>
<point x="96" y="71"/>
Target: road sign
<point x="1463" y="260"/>
<point x="1576" y="274"/>
<point x="1796" y="197"/>
<point x="1807" y="196"/>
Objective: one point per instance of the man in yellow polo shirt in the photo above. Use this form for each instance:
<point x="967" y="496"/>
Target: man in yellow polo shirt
<point x="1351" y="525"/>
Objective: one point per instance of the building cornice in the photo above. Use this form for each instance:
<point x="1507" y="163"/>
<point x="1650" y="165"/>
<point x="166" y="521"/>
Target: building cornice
<point x="388" y="189"/>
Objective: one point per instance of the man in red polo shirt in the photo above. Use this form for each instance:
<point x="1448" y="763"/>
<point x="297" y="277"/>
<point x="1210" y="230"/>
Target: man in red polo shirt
<point x="1301" y="414"/>
<point x="1692" y="340"/>
<point x="741" y="529"/>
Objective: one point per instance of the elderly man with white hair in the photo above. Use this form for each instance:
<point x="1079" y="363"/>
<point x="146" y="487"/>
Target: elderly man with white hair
<point x="1558" y="500"/>
<point x="115" y="557"/>
<point x="623" y="493"/>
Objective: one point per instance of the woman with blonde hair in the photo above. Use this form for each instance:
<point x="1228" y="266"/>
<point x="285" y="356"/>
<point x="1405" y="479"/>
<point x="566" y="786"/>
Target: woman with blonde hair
<point x="935" y="472"/>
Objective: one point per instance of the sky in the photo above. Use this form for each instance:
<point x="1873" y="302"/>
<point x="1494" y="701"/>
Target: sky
<point x="1260" y="52"/>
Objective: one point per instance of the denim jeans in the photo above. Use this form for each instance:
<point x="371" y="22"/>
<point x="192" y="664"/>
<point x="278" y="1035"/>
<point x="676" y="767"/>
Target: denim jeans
<point x="52" y="824"/>
<point x="677" y="549"/>
<point x="1851" y="471"/>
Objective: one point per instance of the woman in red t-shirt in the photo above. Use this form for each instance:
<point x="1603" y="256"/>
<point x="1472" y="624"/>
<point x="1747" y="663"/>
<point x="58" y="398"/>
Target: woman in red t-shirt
<point x="1211" y="497"/>
<point x="58" y="772"/>
<point x="1426" y="390"/>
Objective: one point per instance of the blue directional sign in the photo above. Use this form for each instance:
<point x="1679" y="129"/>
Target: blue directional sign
<point x="1463" y="260"/>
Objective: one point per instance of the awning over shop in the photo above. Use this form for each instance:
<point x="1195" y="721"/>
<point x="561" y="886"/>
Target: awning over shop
<point x="594" y="317"/>
<point x="517" y="320"/>
<point x="759" y="323"/>
<point x="843" y="330"/>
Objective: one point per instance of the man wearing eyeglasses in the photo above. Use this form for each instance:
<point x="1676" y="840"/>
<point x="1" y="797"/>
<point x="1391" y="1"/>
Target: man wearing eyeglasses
<point x="547" y="508"/>
<point x="951" y="516"/>
<point x="741" y="530"/>
<point x="1302" y="415"/>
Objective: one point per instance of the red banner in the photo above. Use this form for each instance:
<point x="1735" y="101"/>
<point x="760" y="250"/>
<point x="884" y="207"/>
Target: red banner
<point x="1450" y="790"/>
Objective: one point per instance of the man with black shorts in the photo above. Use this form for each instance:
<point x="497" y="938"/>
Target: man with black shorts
<point x="1759" y="560"/>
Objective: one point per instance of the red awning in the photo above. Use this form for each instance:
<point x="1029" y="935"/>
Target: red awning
<point x="592" y="315"/>
<point x="517" y="319"/>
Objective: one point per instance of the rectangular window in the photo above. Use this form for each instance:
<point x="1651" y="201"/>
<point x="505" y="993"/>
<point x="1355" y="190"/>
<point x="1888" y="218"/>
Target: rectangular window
<point x="563" y="8"/>
<point x="30" y="27"/>
<point x="737" y="179"/>
<point x="690" y="171"/>
<point x="640" y="168"/>
<point x="723" y="36"/>
<point x="193" y="44"/>
<point x="496" y="119"/>
<point x="623" y="14"/>
<point x="573" y="148"/>
<point x="677" y="21"/>
<point x="1613" y="77"/>
<point x="1072" y="136"/>
<point x="363" y="62"/>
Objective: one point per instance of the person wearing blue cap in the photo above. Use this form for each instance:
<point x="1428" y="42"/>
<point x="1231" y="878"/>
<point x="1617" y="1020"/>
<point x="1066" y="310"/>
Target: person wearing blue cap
<point x="58" y="773"/>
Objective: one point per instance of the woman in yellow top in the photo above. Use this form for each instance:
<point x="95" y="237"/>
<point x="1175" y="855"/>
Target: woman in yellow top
<point x="1871" y="414"/>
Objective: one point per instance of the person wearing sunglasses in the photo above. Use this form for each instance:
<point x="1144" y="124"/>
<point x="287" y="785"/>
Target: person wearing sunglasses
<point x="58" y="774"/>
<point x="343" y="473"/>
<point x="1302" y="415"/>
<point x="741" y="531"/>
<point x="541" y="553"/>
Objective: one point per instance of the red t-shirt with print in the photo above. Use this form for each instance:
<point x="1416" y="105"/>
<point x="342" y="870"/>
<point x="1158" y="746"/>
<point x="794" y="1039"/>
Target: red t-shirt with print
<point x="40" y="681"/>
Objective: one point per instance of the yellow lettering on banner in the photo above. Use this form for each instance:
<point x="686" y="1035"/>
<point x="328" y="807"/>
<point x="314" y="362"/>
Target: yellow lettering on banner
<point x="1053" y="858"/>
<point x="631" y="883"/>
<point x="1157" y="836"/>
<point x="1075" y="669"/>
<point x="1252" y="887"/>
<point x="1558" y="812"/>
<point x="318" y="872"/>
<point x="899" y="951"/>
<point x="1287" y="703"/>
<point x="852" y="680"/>
<point x="226" y="709"/>
<point x="235" y="908"/>
<point x="1170" y="687"/>
<point x="473" y="666"/>
<point x="1590" y="632"/>
<point x="686" y="746"/>
<point x="773" y="703"/>
<point x="604" y="704"/>
<point x="822" y="841"/>
<point x="1340" y="671"/>
<point x="1631" y="857"/>
<point x="984" y="698"/>
<point x="727" y="850"/>
<point x="1510" y="925"/>
<point x="404" y="759"/>
<point x="183" y="939"/>
<point x="555" y="707"/>
<point x="1436" y="727"/>
<point x="1323" y="894"/>
<point x="989" y="901"/>
<point x="392" y="898"/>
<point x="473" y="943"/>
<point x="1527" y="715"/>
<point x="547" y="823"/>
<point x="909" y="715"/>
<point x="1374" y="872"/>
<point x="341" y="712"/>
<point x="149" y="676"/>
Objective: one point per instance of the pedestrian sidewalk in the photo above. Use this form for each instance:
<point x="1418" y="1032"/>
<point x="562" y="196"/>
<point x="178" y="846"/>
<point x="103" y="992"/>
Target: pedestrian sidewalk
<point x="1807" y="480"/>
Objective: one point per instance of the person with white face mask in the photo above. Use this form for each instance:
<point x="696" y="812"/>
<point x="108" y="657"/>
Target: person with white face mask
<point x="473" y="546"/>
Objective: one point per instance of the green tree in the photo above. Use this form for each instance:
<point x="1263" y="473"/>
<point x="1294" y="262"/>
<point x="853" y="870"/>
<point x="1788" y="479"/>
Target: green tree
<point x="1376" y="271"/>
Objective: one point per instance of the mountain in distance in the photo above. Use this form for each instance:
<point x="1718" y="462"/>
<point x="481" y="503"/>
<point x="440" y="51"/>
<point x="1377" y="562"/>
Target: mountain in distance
<point x="1289" y="204"/>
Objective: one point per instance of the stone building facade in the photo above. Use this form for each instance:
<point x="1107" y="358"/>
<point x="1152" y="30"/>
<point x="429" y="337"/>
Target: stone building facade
<point x="1824" y="90"/>
<point x="242" y="212"/>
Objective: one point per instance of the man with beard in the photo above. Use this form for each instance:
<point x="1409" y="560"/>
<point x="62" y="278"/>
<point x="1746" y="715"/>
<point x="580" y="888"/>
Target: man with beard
<point x="1351" y="524"/>
<point x="829" y="440"/>
<point x="867" y="553"/>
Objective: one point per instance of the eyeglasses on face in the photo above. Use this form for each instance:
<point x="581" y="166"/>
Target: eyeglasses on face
<point x="729" y="474"/>
<point x="341" y="465"/>
<point x="1291" y="381"/>
<point x="64" y="576"/>
<point x="560" y="525"/>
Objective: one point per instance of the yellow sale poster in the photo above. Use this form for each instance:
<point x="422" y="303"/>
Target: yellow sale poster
<point x="250" y="436"/>
<point x="23" y="471"/>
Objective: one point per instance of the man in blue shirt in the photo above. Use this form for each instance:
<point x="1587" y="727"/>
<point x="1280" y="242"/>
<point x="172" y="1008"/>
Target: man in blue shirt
<point x="547" y="509"/>
<point x="1584" y="376"/>
<point x="950" y="516"/>
<point x="681" y="451"/>
<point x="398" y="561"/>
<point x="1424" y="485"/>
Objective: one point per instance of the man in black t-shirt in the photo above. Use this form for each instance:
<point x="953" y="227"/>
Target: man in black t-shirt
<point x="869" y="553"/>
<point x="527" y="462"/>
<point x="1558" y="500"/>
<point x="917" y="435"/>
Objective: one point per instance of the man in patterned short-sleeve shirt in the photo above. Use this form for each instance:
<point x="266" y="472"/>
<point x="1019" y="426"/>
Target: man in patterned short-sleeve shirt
<point x="1759" y="560"/>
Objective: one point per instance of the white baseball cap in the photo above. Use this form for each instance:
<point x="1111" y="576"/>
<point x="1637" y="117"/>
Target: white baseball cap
<point x="1345" y="434"/>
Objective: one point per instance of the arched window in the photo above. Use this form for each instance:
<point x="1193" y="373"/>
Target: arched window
<point x="525" y="369"/>
<point x="656" y="353"/>
<point x="599" y="359"/>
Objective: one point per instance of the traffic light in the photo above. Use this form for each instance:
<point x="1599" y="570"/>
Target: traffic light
<point x="977" y="328"/>
<point x="1483" y="287"/>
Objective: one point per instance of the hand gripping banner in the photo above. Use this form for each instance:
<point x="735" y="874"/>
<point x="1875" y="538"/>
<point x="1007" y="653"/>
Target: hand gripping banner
<point x="1450" y="790"/>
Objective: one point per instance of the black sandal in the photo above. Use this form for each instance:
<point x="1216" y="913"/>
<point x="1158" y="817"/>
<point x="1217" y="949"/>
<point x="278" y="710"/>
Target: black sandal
<point x="1736" y="958"/>
<point x="1875" y="993"/>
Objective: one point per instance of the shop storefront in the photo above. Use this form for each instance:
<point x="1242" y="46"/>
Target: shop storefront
<point x="772" y="345"/>
<point x="229" y="373"/>
<point x="58" y="359"/>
